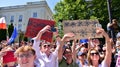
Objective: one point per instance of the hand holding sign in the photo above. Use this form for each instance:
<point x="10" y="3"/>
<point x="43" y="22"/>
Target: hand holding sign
<point x="35" y="25"/>
<point x="45" y="29"/>
<point x="68" y="35"/>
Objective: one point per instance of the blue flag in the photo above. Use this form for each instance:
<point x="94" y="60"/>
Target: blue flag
<point x="13" y="36"/>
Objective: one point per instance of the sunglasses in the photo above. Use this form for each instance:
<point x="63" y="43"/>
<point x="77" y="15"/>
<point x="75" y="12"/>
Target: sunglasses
<point x="45" y="46"/>
<point x="27" y="55"/>
<point x="94" y="53"/>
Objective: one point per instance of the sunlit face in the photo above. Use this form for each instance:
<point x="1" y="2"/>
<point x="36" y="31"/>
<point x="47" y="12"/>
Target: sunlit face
<point x="114" y="22"/>
<point x="83" y="49"/>
<point x="25" y="59"/>
<point x="81" y="57"/>
<point x="46" y="48"/>
<point x="94" y="55"/>
<point x="68" y="53"/>
<point x="96" y="41"/>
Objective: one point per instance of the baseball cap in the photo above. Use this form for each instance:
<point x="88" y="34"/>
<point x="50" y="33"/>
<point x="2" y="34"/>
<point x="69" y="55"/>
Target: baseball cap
<point x="80" y="53"/>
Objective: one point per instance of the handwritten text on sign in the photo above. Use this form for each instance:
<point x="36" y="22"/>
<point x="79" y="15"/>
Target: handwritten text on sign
<point x="81" y="28"/>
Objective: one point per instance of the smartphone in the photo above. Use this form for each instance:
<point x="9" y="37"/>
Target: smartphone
<point x="53" y="29"/>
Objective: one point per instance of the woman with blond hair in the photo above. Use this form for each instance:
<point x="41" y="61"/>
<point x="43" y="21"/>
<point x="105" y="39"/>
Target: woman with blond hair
<point x="93" y="54"/>
<point x="26" y="56"/>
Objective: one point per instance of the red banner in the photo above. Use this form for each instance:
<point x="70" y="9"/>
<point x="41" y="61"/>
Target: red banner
<point x="35" y="25"/>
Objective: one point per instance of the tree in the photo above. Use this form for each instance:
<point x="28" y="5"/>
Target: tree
<point x="71" y="10"/>
<point x="82" y="9"/>
<point x="98" y="9"/>
<point x="115" y="9"/>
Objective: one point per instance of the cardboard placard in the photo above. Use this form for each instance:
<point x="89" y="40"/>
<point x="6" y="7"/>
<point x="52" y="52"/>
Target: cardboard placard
<point x="35" y="25"/>
<point x="81" y="28"/>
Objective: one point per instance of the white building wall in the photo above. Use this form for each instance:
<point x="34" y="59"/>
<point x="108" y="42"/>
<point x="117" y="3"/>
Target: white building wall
<point x="40" y="7"/>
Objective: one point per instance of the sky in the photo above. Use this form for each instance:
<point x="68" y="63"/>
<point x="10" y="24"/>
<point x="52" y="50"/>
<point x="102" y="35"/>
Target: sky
<point x="4" y="3"/>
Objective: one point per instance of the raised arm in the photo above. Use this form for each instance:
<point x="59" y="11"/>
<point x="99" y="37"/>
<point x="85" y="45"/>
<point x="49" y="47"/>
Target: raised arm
<point x="37" y="39"/>
<point x="46" y="28"/>
<point x="108" y="43"/>
<point x="109" y="24"/>
<point x="60" y="50"/>
<point x="74" y="51"/>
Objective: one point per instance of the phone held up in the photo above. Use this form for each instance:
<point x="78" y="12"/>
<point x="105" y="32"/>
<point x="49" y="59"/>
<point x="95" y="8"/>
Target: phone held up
<point x="53" y="29"/>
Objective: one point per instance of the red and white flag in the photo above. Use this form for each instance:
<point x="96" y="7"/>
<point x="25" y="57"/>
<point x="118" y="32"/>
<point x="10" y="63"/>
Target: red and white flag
<point x="2" y="23"/>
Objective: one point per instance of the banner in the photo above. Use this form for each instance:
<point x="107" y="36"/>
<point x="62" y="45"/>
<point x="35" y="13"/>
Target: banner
<point x="13" y="36"/>
<point x="3" y="23"/>
<point x="81" y="28"/>
<point x="35" y="25"/>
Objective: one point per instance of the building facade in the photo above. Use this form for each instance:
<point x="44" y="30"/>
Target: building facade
<point x="19" y="15"/>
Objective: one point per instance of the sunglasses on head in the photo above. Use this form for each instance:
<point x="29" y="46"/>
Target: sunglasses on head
<point x="46" y="46"/>
<point x="83" y="54"/>
<point x="96" y="53"/>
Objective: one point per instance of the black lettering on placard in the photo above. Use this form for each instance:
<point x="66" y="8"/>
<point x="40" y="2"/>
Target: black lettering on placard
<point x="66" y="24"/>
<point x="82" y="28"/>
<point x="73" y="24"/>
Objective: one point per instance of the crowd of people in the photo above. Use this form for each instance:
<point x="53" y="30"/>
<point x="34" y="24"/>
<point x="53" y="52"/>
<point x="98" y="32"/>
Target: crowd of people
<point x="62" y="52"/>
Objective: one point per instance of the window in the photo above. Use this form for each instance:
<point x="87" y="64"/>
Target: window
<point x="19" y="26"/>
<point x="20" y="18"/>
<point x="35" y="14"/>
<point x="5" y="18"/>
<point x="12" y="19"/>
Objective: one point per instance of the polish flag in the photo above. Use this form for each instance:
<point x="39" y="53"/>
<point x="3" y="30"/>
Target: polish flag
<point x="2" y="23"/>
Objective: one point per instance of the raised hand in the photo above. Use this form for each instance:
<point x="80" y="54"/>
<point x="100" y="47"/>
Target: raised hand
<point x="68" y="35"/>
<point x="46" y="28"/>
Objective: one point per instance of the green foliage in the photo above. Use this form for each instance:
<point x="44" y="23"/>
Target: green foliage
<point x="81" y="9"/>
<point x="116" y="9"/>
<point x="71" y="10"/>
<point x="21" y="36"/>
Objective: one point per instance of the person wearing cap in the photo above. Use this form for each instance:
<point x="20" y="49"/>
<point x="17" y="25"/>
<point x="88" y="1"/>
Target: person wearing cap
<point x="26" y="56"/>
<point x="81" y="59"/>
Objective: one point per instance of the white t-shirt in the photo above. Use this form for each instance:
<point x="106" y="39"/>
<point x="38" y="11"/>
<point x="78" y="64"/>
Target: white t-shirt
<point x="45" y="61"/>
<point x="103" y="64"/>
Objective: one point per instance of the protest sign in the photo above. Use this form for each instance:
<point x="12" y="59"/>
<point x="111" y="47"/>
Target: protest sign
<point x="81" y="28"/>
<point x="35" y="25"/>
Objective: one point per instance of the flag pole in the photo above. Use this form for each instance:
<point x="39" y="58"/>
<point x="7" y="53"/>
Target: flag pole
<point x="110" y="15"/>
<point x="7" y="34"/>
